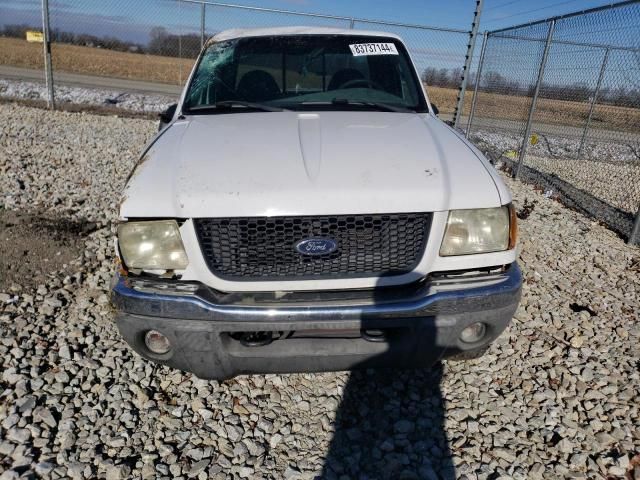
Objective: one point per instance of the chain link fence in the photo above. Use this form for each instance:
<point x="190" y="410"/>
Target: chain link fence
<point x="558" y="102"/>
<point x="151" y="45"/>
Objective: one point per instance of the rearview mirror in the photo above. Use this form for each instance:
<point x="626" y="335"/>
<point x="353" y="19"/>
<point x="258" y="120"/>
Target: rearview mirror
<point x="167" y="116"/>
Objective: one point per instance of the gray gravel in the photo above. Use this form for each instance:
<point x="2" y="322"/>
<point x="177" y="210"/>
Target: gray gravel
<point x="138" y="102"/>
<point x="561" y="146"/>
<point x="607" y="170"/>
<point x="555" y="397"/>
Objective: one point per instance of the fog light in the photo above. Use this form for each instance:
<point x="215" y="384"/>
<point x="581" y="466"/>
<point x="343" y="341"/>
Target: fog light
<point x="473" y="333"/>
<point x="156" y="342"/>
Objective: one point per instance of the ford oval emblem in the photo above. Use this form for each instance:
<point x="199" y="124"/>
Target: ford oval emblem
<point x="316" y="246"/>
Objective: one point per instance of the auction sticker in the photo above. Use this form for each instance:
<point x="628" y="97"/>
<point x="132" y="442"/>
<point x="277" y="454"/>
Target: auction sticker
<point x="360" y="49"/>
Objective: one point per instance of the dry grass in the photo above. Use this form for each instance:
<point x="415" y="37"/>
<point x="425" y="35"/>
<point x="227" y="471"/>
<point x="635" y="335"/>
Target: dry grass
<point x="557" y="112"/>
<point x="445" y="98"/>
<point x="171" y="70"/>
<point x="95" y="61"/>
<point x="553" y="112"/>
<point x="20" y="53"/>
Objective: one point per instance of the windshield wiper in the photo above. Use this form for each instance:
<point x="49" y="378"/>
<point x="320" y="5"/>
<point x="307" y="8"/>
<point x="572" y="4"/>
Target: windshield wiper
<point x="385" y="107"/>
<point x="236" y="103"/>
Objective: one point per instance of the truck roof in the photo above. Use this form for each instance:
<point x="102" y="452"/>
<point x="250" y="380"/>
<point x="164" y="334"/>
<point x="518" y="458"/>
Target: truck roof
<point x="264" y="32"/>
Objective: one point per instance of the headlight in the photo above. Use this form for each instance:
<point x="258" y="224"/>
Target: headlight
<point x="152" y="245"/>
<point x="479" y="231"/>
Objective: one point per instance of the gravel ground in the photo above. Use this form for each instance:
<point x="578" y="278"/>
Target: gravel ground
<point x="138" y="102"/>
<point x="615" y="183"/>
<point x="555" y="397"/>
<point x="608" y="171"/>
<point x="562" y="146"/>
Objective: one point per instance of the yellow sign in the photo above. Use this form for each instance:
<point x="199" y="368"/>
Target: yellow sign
<point x="534" y="139"/>
<point x="33" y="36"/>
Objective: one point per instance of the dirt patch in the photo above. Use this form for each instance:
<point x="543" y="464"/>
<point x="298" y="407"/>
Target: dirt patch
<point x="32" y="246"/>
<point x="103" y="110"/>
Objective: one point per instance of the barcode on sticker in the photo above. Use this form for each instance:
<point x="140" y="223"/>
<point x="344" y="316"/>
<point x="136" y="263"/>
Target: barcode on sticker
<point x="360" y="49"/>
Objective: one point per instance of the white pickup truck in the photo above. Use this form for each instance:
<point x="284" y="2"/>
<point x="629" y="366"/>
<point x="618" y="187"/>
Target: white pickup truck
<point x="303" y="209"/>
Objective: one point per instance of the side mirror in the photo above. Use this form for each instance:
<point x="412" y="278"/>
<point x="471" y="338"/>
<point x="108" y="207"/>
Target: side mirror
<point x="167" y="116"/>
<point x="435" y="109"/>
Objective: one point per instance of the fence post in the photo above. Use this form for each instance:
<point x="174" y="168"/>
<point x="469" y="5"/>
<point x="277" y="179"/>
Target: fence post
<point x="634" y="238"/>
<point x="532" y="109"/>
<point x="202" y="21"/>
<point x="48" y="72"/>
<point x="594" y="100"/>
<point x="477" y="83"/>
<point x="467" y="64"/>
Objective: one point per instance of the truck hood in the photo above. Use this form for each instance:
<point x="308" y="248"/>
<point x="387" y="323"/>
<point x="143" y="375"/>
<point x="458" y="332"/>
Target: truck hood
<point x="291" y="163"/>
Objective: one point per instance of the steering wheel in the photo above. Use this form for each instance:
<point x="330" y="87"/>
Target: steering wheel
<point x="361" y="81"/>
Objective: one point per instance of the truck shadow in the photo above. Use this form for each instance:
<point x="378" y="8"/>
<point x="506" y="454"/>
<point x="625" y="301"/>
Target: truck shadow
<point x="390" y="424"/>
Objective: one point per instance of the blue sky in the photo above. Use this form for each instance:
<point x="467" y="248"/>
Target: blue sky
<point x="453" y="13"/>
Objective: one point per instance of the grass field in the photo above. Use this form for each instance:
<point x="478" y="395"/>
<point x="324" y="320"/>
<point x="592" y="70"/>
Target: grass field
<point x="558" y="112"/>
<point x="171" y="70"/>
<point x="96" y="61"/>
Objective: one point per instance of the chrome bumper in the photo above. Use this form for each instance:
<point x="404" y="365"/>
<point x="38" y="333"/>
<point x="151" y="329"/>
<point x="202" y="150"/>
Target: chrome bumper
<point x="424" y="322"/>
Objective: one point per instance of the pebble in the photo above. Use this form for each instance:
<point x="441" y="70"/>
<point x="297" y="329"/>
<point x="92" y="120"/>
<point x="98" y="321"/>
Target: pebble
<point x="404" y="426"/>
<point x="118" y="472"/>
<point x="18" y="435"/>
<point x="9" y="475"/>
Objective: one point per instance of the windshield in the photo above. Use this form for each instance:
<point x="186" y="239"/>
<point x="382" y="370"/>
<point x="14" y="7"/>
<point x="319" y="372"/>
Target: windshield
<point x="302" y="72"/>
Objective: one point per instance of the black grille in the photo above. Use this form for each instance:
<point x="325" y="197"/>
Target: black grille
<point x="263" y="248"/>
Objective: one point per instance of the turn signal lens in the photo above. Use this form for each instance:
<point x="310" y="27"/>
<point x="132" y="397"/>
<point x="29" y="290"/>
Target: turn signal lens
<point x="513" y="226"/>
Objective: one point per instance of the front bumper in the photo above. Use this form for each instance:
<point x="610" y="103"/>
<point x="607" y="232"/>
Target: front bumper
<point x="420" y="323"/>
